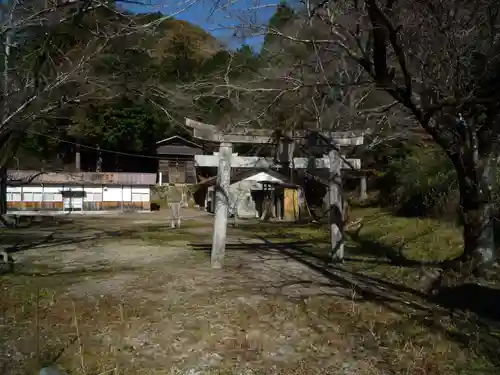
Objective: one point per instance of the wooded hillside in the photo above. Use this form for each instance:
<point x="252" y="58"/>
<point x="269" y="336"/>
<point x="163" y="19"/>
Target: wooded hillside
<point x="123" y="112"/>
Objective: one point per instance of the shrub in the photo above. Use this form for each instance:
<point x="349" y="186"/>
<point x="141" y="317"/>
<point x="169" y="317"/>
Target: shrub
<point x="419" y="182"/>
<point x="414" y="180"/>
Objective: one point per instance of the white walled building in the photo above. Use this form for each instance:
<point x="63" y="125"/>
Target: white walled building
<point x="30" y="191"/>
<point x="248" y="189"/>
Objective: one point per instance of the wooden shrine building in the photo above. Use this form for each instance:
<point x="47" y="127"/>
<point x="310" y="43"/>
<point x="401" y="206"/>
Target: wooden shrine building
<point x="176" y="163"/>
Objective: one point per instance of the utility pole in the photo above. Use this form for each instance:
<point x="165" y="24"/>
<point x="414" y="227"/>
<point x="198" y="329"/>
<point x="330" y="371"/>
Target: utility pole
<point x="98" y="167"/>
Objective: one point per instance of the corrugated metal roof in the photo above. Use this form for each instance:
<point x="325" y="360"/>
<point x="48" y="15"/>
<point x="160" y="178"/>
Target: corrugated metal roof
<point x="178" y="138"/>
<point x="246" y="174"/>
<point x="91" y="178"/>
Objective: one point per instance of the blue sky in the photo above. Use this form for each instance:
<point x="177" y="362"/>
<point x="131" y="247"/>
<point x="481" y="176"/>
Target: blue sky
<point x="220" y="22"/>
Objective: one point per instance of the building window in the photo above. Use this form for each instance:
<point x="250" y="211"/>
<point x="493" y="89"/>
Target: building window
<point x="48" y="197"/>
<point x="93" y="197"/>
<point x="28" y="197"/>
<point x="140" y="197"/>
<point x="14" y="197"/>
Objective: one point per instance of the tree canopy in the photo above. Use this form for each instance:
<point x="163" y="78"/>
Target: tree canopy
<point x="118" y="113"/>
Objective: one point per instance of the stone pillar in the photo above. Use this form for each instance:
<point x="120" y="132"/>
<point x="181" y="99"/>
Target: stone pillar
<point x="362" y="188"/>
<point x="176" y="214"/>
<point x="222" y="201"/>
<point x="286" y="151"/>
<point x="336" y="211"/>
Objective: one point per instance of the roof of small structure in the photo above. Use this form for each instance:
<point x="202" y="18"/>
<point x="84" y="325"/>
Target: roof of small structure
<point x="175" y="138"/>
<point x="178" y="146"/>
<point x="254" y="174"/>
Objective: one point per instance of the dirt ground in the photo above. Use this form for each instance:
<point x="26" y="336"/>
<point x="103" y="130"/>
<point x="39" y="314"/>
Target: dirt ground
<point x="129" y="295"/>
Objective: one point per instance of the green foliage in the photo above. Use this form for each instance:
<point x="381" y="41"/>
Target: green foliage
<point x="134" y="64"/>
<point x="170" y="57"/>
<point x="283" y="53"/>
<point x="284" y="15"/>
<point x="170" y="51"/>
<point x="125" y="124"/>
<point x="419" y="180"/>
<point x="118" y="116"/>
<point x="237" y="65"/>
<point x="416" y="180"/>
<point x="213" y="105"/>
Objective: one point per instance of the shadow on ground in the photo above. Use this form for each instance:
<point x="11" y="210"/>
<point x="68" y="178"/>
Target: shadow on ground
<point x="63" y="235"/>
<point x="380" y="253"/>
<point x="16" y="240"/>
<point x="468" y="314"/>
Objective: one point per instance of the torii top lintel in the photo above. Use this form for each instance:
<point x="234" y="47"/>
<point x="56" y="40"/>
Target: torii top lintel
<point x="210" y="133"/>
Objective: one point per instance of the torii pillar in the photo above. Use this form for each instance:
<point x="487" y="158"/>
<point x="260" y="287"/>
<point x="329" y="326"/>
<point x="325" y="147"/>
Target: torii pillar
<point x="222" y="202"/>
<point x="210" y="133"/>
<point x="336" y="206"/>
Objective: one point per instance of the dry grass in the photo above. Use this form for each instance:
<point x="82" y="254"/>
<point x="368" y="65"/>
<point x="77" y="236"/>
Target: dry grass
<point x="226" y="331"/>
<point x="146" y="303"/>
<point x="384" y="255"/>
<point x="418" y="238"/>
<point x="378" y="246"/>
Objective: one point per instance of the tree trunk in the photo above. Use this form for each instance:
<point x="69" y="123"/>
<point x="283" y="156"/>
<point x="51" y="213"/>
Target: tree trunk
<point x="478" y="233"/>
<point x="476" y="169"/>
<point x="476" y="213"/>
<point x="3" y="191"/>
<point x="3" y="198"/>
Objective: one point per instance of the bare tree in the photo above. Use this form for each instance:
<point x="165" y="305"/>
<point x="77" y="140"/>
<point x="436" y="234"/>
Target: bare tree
<point x="439" y="60"/>
<point x="47" y="50"/>
<point x="412" y="67"/>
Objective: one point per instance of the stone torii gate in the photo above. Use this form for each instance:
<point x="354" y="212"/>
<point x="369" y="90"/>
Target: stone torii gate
<point x="210" y="133"/>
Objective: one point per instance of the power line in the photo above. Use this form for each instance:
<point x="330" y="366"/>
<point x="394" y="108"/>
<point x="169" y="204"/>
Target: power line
<point x="98" y="149"/>
<point x="94" y="148"/>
